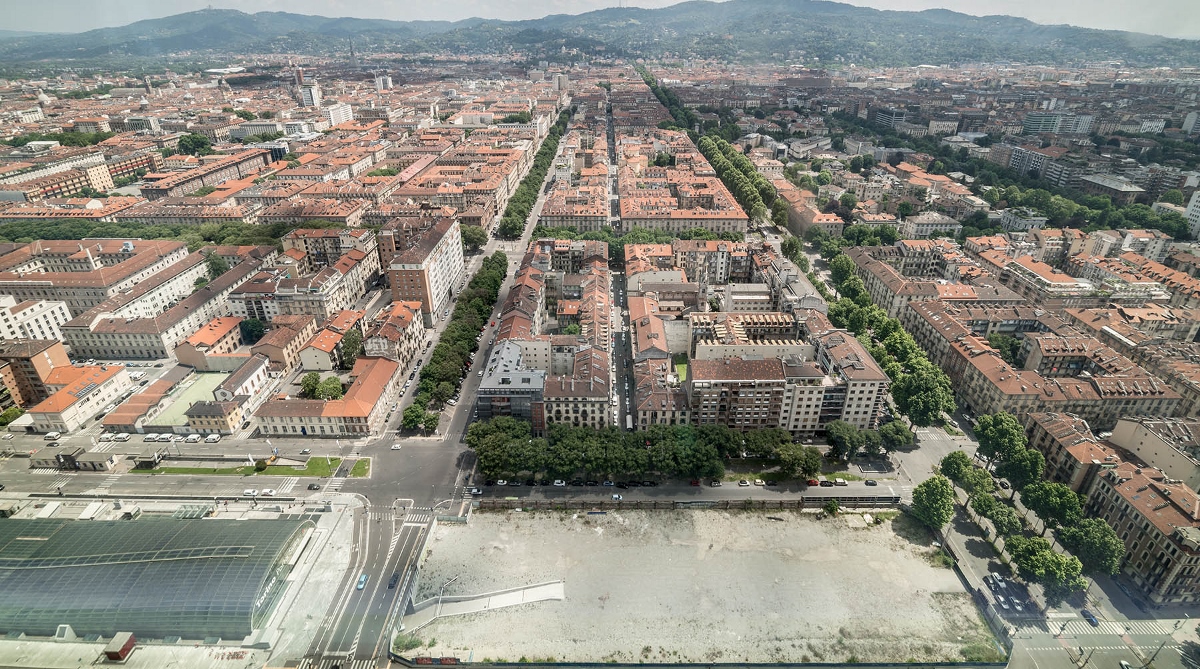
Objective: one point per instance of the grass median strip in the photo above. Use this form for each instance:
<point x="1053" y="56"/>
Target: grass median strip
<point x="321" y="467"/>
<point x="361" y="469"/>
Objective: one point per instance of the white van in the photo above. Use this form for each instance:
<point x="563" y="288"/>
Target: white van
<point x="104" y="437"/>
<point x="151" y="436"/>
<point x="193" y="438"/>
<point x="212" y="439"/>
<point x="164" y="437"/>
<point x="51" y="436"/>
<point x="123" y="436"/>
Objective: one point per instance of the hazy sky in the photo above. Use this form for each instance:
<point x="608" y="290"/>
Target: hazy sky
<point x="1175" y="18"/>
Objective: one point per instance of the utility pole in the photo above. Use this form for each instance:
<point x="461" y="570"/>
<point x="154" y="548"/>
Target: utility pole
<point x="1160" y="647"/>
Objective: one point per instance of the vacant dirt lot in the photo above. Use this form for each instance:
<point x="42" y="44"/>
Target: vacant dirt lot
<point x="700" y="586"/>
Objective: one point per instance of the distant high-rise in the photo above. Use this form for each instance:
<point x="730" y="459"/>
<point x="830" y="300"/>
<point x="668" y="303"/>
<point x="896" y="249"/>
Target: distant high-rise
<point x="383" y="82"/>
<point x="888" y="117"/>
<point x="353" y="56"/>
<point x="310" y="94"/>
<point x="1193" y="214"/>
<point x="1191" y="122"/>
<point x="561" y="82"/>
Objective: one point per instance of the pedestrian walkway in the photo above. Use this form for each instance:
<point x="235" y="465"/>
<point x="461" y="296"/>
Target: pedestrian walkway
<point x="418" y="515"/>
<point x="61" y="480"/>
<point x="331" y="662"/>
<point x="1077" y="627"/>
<point x="287" y="484"/>
<point x="437" y="607"/>
<point x="108" y="483"/>
<point x="103" y="448"/>
<point x="44" y="470"/>
<point x="335" y="484"/>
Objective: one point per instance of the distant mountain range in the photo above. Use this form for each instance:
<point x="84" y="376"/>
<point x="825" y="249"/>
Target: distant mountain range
<point x="738" y="30"/>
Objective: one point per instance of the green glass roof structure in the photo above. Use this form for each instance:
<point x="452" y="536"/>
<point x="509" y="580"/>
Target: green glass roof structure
<point x="153" y="576"/>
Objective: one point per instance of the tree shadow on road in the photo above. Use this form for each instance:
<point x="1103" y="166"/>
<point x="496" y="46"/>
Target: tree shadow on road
<point x="972" y="538"/>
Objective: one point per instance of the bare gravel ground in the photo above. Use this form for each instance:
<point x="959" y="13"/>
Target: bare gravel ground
<point x="700" y="586"/>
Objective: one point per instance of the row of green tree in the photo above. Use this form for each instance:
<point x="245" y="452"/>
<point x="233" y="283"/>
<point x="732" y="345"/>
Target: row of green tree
<point x="684" y="118"/>
<point x="516" y="214"/>
<point x="921" y="391"/>
<point x="1095" y="547"/>
<point x="196" y="236"/>
<point x="64" y="138"/>
<point x="506" y="447"/>
<point x="749" y="188"/>
<point x="846" y="441"/>
<point x="441" y="376"/>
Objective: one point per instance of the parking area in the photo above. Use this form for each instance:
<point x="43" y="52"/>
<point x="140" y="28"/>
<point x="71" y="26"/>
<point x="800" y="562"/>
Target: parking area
<point x="701" y="586"/>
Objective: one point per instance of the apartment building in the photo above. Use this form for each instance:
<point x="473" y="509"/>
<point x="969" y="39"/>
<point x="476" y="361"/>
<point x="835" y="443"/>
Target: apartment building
<point x="510" y="388"/>
<point x="1157" y="519"/>
<point x="1073" y="456"/>
<point x="235" y="166"/>
<point x="25" y="366"/>
<point x="659" y="395"/>
<point x="84" y="273"/>
<point x="360" y="413"/>
<point x="1170" y="445"/>
<point x="282" y="343"/>
<point x="212" y="347"/>
<point x="325" y="246"/>
<point x="32" y="319"/>
<point x="274" y="292"/>
<point x="77" y="394"/>
<point x="397" y="333"/>
<point x="429" y="270"/>
<point x="214" y="417"/>
<point x="105" y="333"/>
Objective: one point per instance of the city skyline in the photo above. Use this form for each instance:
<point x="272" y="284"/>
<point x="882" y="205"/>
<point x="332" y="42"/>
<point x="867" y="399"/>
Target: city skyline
<point x="1169" y="18"/>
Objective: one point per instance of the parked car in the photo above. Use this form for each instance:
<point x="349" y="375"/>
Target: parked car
<point x="250" y="492"/>
<point x="502" y="482"/>
<point x="268" y="492"/>
<point x="743" y="483"/>
<point x="617" y="498"/>
<point x="559" y="483"/>
<point x="715" y="483"/>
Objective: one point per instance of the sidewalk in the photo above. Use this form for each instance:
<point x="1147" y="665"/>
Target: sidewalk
<point x="437" y="607"/>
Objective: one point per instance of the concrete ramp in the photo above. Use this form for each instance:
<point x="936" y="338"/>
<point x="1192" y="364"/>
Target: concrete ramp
<point x="431" y="609"/>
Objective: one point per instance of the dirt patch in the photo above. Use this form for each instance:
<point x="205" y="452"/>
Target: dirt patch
<point x="699" y="586"/>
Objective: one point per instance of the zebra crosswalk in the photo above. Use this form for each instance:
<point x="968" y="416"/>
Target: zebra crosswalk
<point x="44" y="470"/>
<point x="108" y="482"/>
<point x="335" y="484"/>
<point x="331" y="662"/>
<point x="379" y="515"/>
<point x="286" y="485"/>
<point x="418" y="515"/>
<point x="102" y="448"/>
<point x="61" y="480"/>
<point x="1081" y="627"/>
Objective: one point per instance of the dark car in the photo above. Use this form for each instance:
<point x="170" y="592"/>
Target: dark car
<point x="53" y="444"/>
<point x="1090" y="617"/>
<point x="649" y="484"/>
<point x="695" y="482"/>
<point x="393" y="580"/>
<point x="826" y="484"/>
<point x="314" y="486"/>
<point x="1004" y="484"/>
<point x="490" y="482"/>
<point x="576" y="482"/>
<point x="514" y="483"/>
<point x="622" y="485"/>
<point x="544" y="482"/>
<point x="531" y="483"/>
<point x="633" y="484"/>
<point x="772" y="482"/>
<point x="592" y="483"/>
<point x="872" y="482"/>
